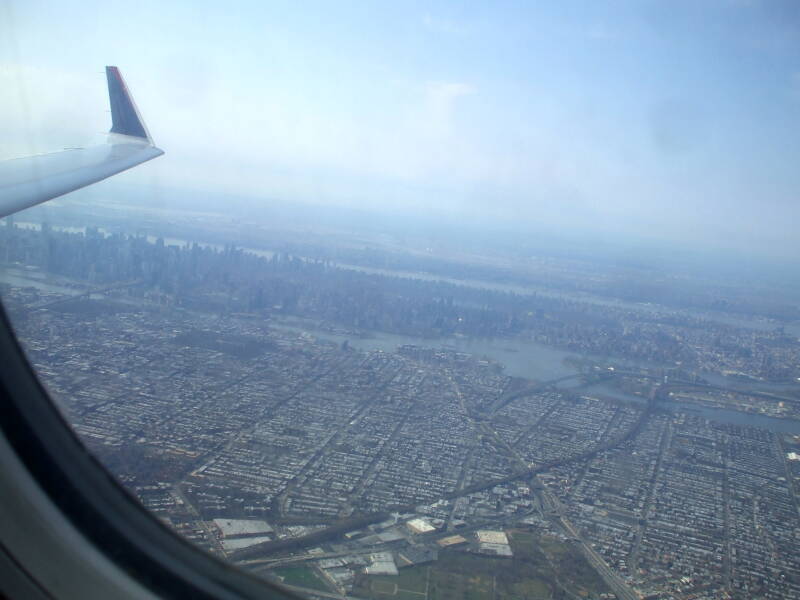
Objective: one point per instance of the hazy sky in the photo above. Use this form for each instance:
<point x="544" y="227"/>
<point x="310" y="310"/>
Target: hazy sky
<point x="678" y="118"/>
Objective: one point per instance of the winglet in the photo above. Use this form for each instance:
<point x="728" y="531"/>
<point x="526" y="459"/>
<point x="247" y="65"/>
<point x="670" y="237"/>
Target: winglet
<point x="125" y="118"/>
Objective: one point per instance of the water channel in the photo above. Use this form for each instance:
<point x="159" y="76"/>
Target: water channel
<point x="722" y="415"/>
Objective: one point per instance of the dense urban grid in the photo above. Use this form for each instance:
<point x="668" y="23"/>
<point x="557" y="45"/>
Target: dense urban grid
<point x="236" y="395"/>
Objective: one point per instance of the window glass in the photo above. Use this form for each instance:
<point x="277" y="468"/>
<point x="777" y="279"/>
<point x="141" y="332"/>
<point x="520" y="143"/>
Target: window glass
<point x="425" y="300"/>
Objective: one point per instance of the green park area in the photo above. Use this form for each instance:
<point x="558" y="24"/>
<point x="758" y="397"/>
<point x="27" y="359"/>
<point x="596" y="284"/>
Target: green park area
<point x="302" y="577"/>
<point x="542" y="568"/>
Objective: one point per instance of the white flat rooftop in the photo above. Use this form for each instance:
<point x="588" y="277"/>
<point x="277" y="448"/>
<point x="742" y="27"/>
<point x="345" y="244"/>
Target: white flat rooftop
<point x="486" y="536"/>
<point x="420" y="526"/>
<point x="237" y="543"/>
<point x="382" y="564"/>
<point x="242" y="527"/>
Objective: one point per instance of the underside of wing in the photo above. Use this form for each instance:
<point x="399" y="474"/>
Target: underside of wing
<point x="25" y="182"/>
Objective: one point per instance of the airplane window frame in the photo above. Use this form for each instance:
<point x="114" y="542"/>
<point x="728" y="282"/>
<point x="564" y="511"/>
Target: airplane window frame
<point x="89" y="497"/>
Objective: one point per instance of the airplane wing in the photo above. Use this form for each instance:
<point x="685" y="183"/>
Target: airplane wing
<point x="25" y="182"/>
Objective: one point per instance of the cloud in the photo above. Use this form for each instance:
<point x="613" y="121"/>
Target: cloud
<point x="446" y="26"/>
<point x="445" y="94"/>
<point x="437" y="115"/>
<point x="678" y="126"/>
<point x="600" y="32"/>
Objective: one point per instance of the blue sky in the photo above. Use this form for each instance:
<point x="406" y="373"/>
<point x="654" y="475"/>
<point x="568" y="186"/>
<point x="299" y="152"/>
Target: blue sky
<point x="676" y="118"/>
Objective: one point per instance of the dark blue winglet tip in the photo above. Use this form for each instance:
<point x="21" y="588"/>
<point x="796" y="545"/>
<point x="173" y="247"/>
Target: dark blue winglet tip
<point x="125" y="119"/>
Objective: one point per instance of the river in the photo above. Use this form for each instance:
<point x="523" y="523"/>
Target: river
<point x="721" y="415"/>
<point x="535" y="361"/>
<point x="23" y="277"/>
<point x="518" y="357"/>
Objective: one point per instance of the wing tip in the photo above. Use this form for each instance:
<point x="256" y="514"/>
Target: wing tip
<point x="125" y="117"/>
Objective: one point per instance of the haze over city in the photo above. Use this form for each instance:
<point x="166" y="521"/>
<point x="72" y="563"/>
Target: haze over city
<point x="672" y="121"/>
